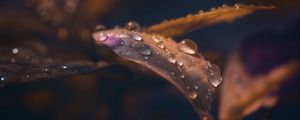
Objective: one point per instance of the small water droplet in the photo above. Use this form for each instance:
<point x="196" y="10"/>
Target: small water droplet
<point x="224" y="6"/>
<point x="180" y="64"/>
<point x="99" y="28"/>
<point x="27" y="76"/>
<point x="12" y="60"/>
<point x="122" y="42"/>
<point x="193" y="95"/>
<point x="102" y="37"/>
<point x="171" y="60"/>
<point x="123" y="35"/>
<point x="182" y="76"/>
<point x="205" y="118"/>
<point x="146" y="51"/>
<point x="196" y="87"/>
<point x="156" y="39"/>
<point x="136" y="36"/>
<point x="46" y="69"/>
<point x="188" y="46"/>
<point x="214" y="75"/>
<point x="201" y="12"/>
<point x="64" y="67"/>
<point x="15" y="51"/>
<point x="172" y="73"/>
<point x="146" y="57"/>
<point x="237" y="6"/>
<point x="132" y="25"/>
<point x="2" y="78"/>
<point x="188" y="87"/>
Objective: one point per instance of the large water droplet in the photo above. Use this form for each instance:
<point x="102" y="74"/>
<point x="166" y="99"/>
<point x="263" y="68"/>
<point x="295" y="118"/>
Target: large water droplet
<point x="214" y="75"/>
<point x="102" y="37"/>
<point x="136" y="36"/>
<point x="188" y="46"/>
<point x="132" y="25"/>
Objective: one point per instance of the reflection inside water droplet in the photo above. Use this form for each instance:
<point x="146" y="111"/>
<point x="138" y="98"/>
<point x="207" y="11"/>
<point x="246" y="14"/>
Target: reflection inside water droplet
<point x="171" y="60"/>
<point x="214" y="75"/>
<point x="132" y="26"/>
<point x="193" y="95"/>
<point x="15" y="50"/>
<point x="188" y="46"/>
<point x="102" y="37"/>
<point x="196" y="87"/>
<point x="136" y="36"/>
<point x="146" y="52"/>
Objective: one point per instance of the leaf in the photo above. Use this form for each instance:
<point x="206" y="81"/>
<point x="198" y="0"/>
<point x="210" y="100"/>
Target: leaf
<point x="180" y="26"/>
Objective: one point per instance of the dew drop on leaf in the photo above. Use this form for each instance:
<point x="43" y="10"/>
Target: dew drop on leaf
<point x="188" y="46"/>
<point x="136" y="36"/>
<point x="214" y="75"/>
<point x="102" y="37"/>
<point x="132" y="26"/>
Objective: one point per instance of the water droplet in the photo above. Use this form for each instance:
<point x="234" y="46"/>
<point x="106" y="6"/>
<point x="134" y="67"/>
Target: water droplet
<point x="156" y="39"/>
<point x="201" y="12"/>
<point x="146" y="57"/>
<point x="99" y="28"/>
<point x="102" y="37"/>
<point x="188" y="46"/>
<point x="180" y="64"/>
<point x="172" y="73"/>
<point x="46" y="69"/>
<point x="132" y="25"/>
<point x="196" y="87"/>
<point x="123" y="35"/>
<point x="214" y="75"/>
<point x="146" y="51"/>
<point x="224" y="6"/>
<point x="237" y="6"/>
<point x="15" y="50"/>
<point x="2" y="78"/>
<point x="193" y="95"/>
<point x="182" y="76"/>
<point x="12" y="60"/>
<point x="161" y="45"/>
<point x="27" y="76"/>
<point x="64" y="67"/>
<point x="171" y="60"/>
<point x="136" y="36"/>
<point x="205" y="118"/>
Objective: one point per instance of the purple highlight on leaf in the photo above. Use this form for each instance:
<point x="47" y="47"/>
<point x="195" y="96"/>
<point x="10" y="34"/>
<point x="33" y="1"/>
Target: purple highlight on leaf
<point x="113" y="41"/>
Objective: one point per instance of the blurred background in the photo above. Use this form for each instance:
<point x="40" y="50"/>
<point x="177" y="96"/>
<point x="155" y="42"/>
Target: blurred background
<point x="62" y="30"/>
